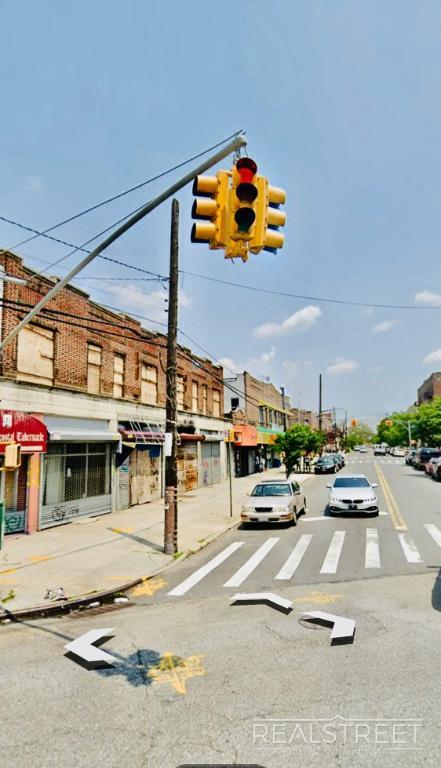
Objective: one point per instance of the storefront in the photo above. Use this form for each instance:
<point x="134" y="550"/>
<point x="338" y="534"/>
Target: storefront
<point x="210" y="461"/>
<point x="139" y="464"/>
<point x="267" y="450"/>
<point x="245" y="449"/>
<point x="77" y="470"/>
<point x="19" y="487"/>
<point x="187" y="461"/>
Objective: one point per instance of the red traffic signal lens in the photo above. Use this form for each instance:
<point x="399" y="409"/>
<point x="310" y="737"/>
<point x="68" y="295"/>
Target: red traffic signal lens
<point x="246" y="169"/>
<point x="244" y="218"/>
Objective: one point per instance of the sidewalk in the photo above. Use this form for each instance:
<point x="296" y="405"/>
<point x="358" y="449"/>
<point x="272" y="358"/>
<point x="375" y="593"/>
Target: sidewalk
<point x="106" y="553"/>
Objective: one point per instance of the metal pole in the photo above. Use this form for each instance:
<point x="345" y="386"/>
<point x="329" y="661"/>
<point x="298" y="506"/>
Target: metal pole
<point x="282" y="389"/>
<point x="171" y="470"/>
<point x="236" y="143"/>
<point x="230" y="477"/>
<point x="320" y="401"/>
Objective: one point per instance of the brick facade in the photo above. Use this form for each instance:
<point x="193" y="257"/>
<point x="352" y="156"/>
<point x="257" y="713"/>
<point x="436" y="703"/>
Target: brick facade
<point x="106" y="330"/>
<point x="430" y="388"/>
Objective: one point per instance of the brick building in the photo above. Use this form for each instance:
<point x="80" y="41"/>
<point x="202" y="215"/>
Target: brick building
<point x="96" y="380"/>
<point x="259" y="412"/>
<point x="430" y="388"/>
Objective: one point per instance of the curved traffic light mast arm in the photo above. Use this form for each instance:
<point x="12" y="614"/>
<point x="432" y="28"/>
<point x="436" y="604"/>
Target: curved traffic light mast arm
<point x="236" y="143"/>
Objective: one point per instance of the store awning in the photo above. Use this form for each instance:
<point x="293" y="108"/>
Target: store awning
<point x="187" y="438"/>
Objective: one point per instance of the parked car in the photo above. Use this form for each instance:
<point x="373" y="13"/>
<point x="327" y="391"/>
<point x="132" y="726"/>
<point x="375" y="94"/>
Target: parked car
<point x="423" y="455"/>
<point x="410" y="456"/>
<point x="437" y="472"/>
<point x="432" y="465"/>
<point x="379" y="450"/>
<point x="401" y="452"/>
<point x="326" y="464"/>
<point x="274" y="501"/>
<point x="363" y="449"/>
<point x="352" y="493"/>
<point x="341" y="459"/>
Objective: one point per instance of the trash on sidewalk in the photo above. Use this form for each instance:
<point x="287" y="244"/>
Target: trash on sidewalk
<point x="55" y="594"/>
<point x="121" y="600"/>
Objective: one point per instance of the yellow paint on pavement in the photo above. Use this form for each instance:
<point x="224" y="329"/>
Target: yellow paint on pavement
<point x="148" y="587"/>
<point x="8" y="570"/>
<point x="122" y="530"/>
<point x="396" y="516"/>
<point x="40" y="558"/>
<point x="174" y="671"/>
<point x="318" y="598"/>
<point x="7" y="580"/>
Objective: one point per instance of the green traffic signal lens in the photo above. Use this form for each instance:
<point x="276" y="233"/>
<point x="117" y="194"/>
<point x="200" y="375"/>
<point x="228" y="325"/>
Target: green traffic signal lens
<point x="246" y="192"/>
<point x="244" y="218"/>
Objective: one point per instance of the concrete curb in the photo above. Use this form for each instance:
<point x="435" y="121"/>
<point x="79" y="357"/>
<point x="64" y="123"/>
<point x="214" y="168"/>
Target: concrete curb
<point x="64" y="607"/>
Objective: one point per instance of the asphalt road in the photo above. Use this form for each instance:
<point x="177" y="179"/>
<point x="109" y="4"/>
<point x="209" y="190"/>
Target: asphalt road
<point x="201" y="682"/>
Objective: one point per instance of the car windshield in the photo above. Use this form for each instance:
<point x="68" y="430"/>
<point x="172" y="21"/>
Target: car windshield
<point x="351" y="482"/>
<point x="272" y="489"/>
<point x="326" y="460"/>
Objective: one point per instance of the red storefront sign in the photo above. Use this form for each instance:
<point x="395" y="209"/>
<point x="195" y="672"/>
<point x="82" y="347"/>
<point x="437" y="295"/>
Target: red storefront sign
<point x="28" y="431"/>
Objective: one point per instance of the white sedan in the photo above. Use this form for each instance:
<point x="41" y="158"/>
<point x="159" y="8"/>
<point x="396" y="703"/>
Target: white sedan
<point x="352" y="493"/>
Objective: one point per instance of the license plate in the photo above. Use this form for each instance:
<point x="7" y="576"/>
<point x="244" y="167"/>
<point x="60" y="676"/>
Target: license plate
<point x="263" y="519"/>
<point x="353" y="506"/>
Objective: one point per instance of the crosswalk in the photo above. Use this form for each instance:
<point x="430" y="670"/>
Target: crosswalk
<point x="328" y="567"/>
<point x="376" y="460"/>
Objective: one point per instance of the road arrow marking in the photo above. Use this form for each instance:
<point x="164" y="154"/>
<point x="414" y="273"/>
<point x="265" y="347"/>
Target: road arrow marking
<point x="343" y="629"/>
<point x="268" y="598"/>
<point x="85" y="651"/>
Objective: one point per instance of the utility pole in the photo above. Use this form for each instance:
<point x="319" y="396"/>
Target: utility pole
<point x="171" y="470"/>
<point x="282" y="389"/>
<point x="320" y="402"/>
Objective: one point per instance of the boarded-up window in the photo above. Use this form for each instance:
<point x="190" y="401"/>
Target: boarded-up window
<point x="194" y="397"/>
<point x="204" y="399"/>
<point x="93" y="369"/>
<point x="35" y="355"/>
<point x="118" y="376"/>
<point x="180" y="390"/>
<point x="216" y="403"/>
<point x="149" y="384"/>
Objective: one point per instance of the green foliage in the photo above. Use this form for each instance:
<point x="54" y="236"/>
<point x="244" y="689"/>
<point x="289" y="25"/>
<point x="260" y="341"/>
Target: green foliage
<point x="425" y="426"/>
<point x="297" y="441"/>
<point x="361" y="434"/>
<point x="428" y="423"/>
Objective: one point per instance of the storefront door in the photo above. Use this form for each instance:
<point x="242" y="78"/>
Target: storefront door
<point x="16" y="497"/>
<point x="210" y="463"/>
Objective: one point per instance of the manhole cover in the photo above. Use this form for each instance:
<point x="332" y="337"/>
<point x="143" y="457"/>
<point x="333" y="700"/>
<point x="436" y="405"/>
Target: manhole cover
<point x="312" y="624"/>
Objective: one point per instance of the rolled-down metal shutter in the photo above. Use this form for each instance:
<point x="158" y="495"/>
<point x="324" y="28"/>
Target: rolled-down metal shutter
<point x="210" y="463"/>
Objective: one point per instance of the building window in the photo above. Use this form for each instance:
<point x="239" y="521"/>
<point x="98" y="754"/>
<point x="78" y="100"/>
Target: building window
<point x="93" y="369"/>
<point x="194" y="397"/>
<point x="75" y="471"/>
<point x="216" y="403"/>
<point x="149" y="384"/>
<point x="118" y="376"/>
<point x="35" y="355"/>
<point x="234" y="403"/>
<point x="261" y="415"/>
<point x="180" y="390"/>
<point x="204" y="399"/>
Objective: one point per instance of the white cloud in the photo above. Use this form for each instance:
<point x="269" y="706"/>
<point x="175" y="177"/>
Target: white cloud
<point x="433" y="357"/>
<point x="367" y="311"/>
<point x="428" y="297"/>
<point x="255" y="365"/>
<point x="383" y="327"/>
<point x="265" y="358"/>
<point x="342" y="365"/>
<point x="300" y="320"/>
<point x="35" y="184"/>
<point x="230" y="366"/>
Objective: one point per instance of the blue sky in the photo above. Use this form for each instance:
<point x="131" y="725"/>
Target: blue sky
<point x="340" y="102"/>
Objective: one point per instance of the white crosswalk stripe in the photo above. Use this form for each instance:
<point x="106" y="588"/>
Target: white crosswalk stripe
<point x="372" y="554"/>
<point x="290" y="566"/>
<point x="330" y="563"/>
<point x="410" y="551"/>
<point x="198" y="575"/>
<point x="251" y="564"/>
<point x="434" y="532"/>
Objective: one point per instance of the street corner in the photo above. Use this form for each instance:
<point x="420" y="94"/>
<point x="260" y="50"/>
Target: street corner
<point x="148" y="587"/>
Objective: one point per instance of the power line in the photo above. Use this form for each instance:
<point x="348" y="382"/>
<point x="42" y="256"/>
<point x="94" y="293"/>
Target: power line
<point x="126" y="192"/>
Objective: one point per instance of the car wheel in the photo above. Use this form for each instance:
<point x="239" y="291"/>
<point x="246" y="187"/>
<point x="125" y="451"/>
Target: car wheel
<point x="304" y="506"/>
<point x="294" y="518"/>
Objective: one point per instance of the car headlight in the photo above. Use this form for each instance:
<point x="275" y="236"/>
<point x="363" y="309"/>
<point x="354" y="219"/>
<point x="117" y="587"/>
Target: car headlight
<point x="333" y="499"/>
<point x="281" y="510"/>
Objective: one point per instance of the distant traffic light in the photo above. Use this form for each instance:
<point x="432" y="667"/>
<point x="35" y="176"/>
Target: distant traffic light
<point x="388" y="422"/>
<point x="212" y="208"/>
<point x="354" y="422"/>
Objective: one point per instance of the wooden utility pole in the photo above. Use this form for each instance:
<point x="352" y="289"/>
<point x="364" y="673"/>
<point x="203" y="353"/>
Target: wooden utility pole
<point x="320" y="402"/>
<point x="171" y="471"/>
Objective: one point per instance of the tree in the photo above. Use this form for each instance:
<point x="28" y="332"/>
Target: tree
<point x="397" y="432"/>
<point x="358" y="435"/>
<point x="298" y="440"/>
<point x="428" y="423"/>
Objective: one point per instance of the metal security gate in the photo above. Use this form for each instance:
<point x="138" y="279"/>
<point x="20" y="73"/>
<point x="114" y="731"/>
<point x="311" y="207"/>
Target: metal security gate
<point x="210" y="463"/>
<point x="76" y="482"/>
<point x="124" y="484"/>
<point x="16" y="498"/>
<point x="187" y="460"/>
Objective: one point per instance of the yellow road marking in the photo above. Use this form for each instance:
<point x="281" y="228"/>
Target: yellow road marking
<point x="9" y="570"/>
<point x="7" y="580"/>
<point x="148" y="587"/>
<point x="396" y="516"/>
<point x="318" y="598"/>
<point x="122" y="530"/>
<point x="40" y="558"/>
<point x="175" y="671"/>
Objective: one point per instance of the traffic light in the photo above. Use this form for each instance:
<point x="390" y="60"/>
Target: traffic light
<point x="244" y="193"/>
<point x="212" y="208"/>
<point x="12" y="456"/>
<point x="388" y="422"/>
<point x="269" y="218"/>
<point x="354" y="422"/>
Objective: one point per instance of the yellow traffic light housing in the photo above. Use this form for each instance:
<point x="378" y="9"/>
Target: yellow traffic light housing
<point x="244" y="192"/>
<point x="269" y="218"/>
<point x="212" y="208"/>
